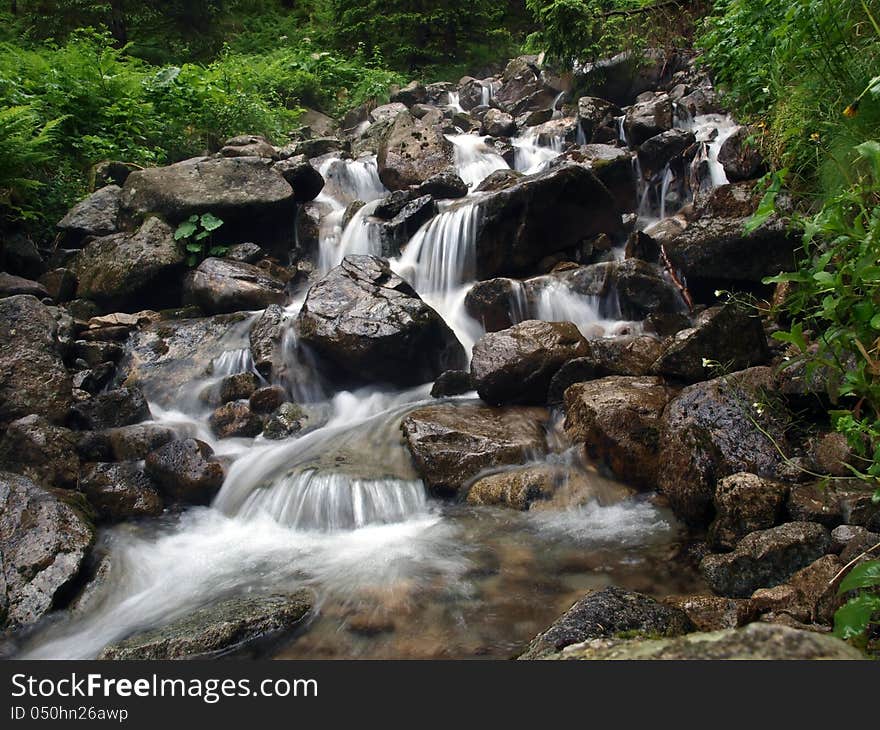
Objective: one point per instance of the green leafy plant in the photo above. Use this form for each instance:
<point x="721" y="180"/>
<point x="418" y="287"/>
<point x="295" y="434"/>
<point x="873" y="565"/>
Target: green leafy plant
<point x="855" y="618"/>
<point x="197" y="233"/>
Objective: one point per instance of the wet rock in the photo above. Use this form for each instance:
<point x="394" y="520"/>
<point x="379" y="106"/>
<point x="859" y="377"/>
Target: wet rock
<point x="497" y="123"/>
<point x="235" y="419"/>
<point x="164" y="357"/>
<point x="286" y="421"/>
<point x="745" y="503"/>
<point x="45" y="536"/>
<point x="631" y="355"/>
<point x="60" y="284"/>
<point x="94" y="216"/>
<point x="618" y="421"/>
<point x="499" y="180"/>
<point x="120" y="491"/>
<point x="452" y="382"/>
<point x="316" y="147"/>
<point x="11" y="285"/>
<point x="412" y="93"/>
<point x="218" y="286"/>
<point x="44" y="453"/>
<point x="226" y="626"/>
<point x="267" y="399"/>
<point x="370" y="325"/>
<point x="608" y="613"/>
<point x="640" y="245"/>
<point x="647" y="119"/>
<point x="246" y="253"/>
<point x="740" y="157"/>
<point x="809" y="596"/>
<point x="443" y="186"/>
<point x="249" y="145"/>
<point x="753" y="642"/>
<point x="403" y="225"/>
<point x="411" y="152"/>
<point x="387" y="112"/>
<point x="661" y="149"/>
<point x="765" y="558"/>
<point x="516" y="365"/>
<point x="595" y="113"/>
<point x="706" y="433"/>
<point x="470" y="93"/>
<point x="238" y="187"/>
<point x="120" y="407"/>
<point x="238" y="387"/>
<point x="183" y="471"/>
<point x="730" y="334"/>
<point x="643" y="290"/>
<point x="522" y="88"/>
<point x="491" y="303"/>
<point x="130" y="269"/>
<point x="511" y="235"/>
<point x="712" y="613"/>
<point x="93" y="380"/>
<point x="126" y="443"/>
<point x="624" y="76"/>
<point x="815" y="502"/>
<point x="451" y="443"/>
<point x="266" y="336"/>
<point x="33" y="378"/>
<point x="305" y="180"/>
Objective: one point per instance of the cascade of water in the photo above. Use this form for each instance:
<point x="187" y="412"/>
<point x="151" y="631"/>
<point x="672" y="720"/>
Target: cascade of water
<point x="557" y="112"/>
<point x="712" y="131"/>
<point x="454" y="102"/>
<point x="530" y="155"/>
<point x="594" y="316"/>
<point x="360" y="236"/>
<point x="474" y="159"/>
<point x="668" y="177"/>
<point x="621" y="130"/>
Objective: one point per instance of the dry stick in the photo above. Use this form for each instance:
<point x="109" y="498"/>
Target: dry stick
<point x="686" y="295"/>
<point x="852" y="562"/>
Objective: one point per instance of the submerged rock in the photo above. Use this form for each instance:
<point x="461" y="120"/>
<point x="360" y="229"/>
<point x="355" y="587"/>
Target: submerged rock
<point x="370" y="325"/>
<point x="451" y="443"/>
<point x="516" y="365"/>
<point x="608" y="613"/>
<point x="228" y="626"/>
<point x="184" y="471"/>
<point x="752" y="642"/>
<point x="45" y="535"/>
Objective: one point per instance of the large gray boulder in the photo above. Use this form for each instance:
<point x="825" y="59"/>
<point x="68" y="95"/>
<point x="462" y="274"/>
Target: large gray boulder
<point x="370" y="325"/>
<point x="130" y="270"/>
<point x="33" y="378"/>
<point x="40" y="451"/>
<point x="120" y="491"/>
<point x="185" y="472"/>
<point x="411" y="152"/>
<point x="45" y="535"/>
<point x="516" y="365"/>
<point x="220" y="285"/>
<point x="224" y="627"/>
<point x="94" y="216"/>
<point x="451" y="444"/>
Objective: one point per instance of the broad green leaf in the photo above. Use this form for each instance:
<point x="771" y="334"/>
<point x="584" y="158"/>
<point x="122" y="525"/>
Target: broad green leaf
<point x="865" y="575"/>
<point x="853" y="617"/>
<point x="164" y="77"/>
<point x="194" y="247"/>
<point x="184" y="230"/>
<point x="218" y="250"/>
<point x="875" y="321"/>
<point x="211" y="222"/>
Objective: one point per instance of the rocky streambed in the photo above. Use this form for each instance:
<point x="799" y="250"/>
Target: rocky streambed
<point x="473" y="374"/>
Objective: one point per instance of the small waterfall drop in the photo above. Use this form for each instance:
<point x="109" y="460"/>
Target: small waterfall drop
<point x="474" y="159"/>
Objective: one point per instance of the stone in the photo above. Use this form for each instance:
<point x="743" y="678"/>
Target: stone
<point x="497" y="123"/>
<point x="219" y="286"/>
<point x="305" y="180"/>
<point x="729" y="334"/>
<point x="745" y="503"/>
<point x="11" y="285"/>
<point x="707" y="433"/>
<point x="411" y="152"/>
<point x="184" y="472"/>
<point x="452" y="382"/>
<point x="442" y="186"/>
<point x="121" y="407"/>
<point x="412" y="93"/>
<point x="247" y="253"/>
<point x="127" y="270"/>
<point x="594" y="113"/>
<point x="452" y="443"/>
<point x="120" y="491"/>
<point x="126" y="443"/>
<point x="832" y="455"/>
<point x="235" y="419"/>
<point x="45" y="537"/>
<point x="757" y="641"/>
<point x="516" y="365"/>
<point x="660" y="150"/>
<point x="228" y="626"/>
<point x="286" y="421"/>
<point x="249" y="145"/>
<point x="492" y="303"/>
<point x="814" y="502"/>
<point x="647" y="119"/>
<point x="712" y="613"/>
<point x="95" y="216"/>
<point x="267" y="399"/>
<point x="765" y="558"/>
<point x="396" y="233"/>
<point x="369" y="325"/>
<point x="42" y="452"/>
<point x="266" y="336"/>
<point x="33" y="378"/>
<point x="608" y="613"/>
<point x="60" y="284"/>
<point x="740" y="157"/>
<point x="618" y="421"/>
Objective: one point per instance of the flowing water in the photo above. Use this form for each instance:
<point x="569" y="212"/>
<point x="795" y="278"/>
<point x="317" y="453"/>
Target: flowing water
<point x="339" y="508"/>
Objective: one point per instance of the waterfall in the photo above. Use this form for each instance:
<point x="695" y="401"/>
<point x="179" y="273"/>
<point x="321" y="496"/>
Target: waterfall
<point x="531" y="155"/>
<point x="474" y="159"/>
<point x="360" y="236"/>
<point x="712" y="131"/>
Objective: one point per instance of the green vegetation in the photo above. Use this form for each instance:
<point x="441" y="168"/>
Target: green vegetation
<point x="197" y="234"/>
<point x="854" y="620"/>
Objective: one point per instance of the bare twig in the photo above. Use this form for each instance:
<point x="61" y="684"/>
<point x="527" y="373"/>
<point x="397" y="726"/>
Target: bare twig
<point x="686" y="295"/>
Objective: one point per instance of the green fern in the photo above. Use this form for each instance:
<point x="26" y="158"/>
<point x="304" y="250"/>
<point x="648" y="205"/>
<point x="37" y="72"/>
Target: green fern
<point x="25" y="145"/>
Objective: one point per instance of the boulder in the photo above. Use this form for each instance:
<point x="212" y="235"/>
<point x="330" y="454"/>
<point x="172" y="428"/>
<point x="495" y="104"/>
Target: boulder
<point x="235" y="419"/>
<point x="45" y="536"/>
<point x="305" y="180"/>
<point x="618" y="420"/>
<point x="745" y="503"/>
<point x="493" y="302"/>
<point x="470" y="93"/>
<point x="402" y="226"/>
<point x="231" y="188"/>
<point x="120" y="491"/>
<point x="129" y="270"/>
<point x="765" y="558"/>
<point x="219" y="285"/>
<point x="266" y="337"/>
<point x="227" y="626"/>
<point x="593" y="114"/>
<point x="707" y="433"/>
<point x="267" y="399"/>
<point x="740" y="157"/>
<point x="516" y="365"/>
<point x="658" y="151"/>
<point x="452" y="382"/>
<point x="607" y="613"/>
<point x="239" y="386"/>
<point x="497" y="123"/>
<point x="753" y="642"/>
<point x="442" y="186"/>
<point x="711" y="613"/>
<point x="246" y="253"/>
<point x="511" y="230"/>
<point x="816" y="502"/>
<point x="184" y="472"/>
<point x="120" y="407"/>
<point x="33" y="378"/>
<point x="412" y="93"/>
<point x="44" y="453"/>
<point x="11" y="285"/>
<point x="411" y="152"/>
<point x="809" y="596"/>
<point x="126" y="443"/>
<point x="286" y="421"/>
<point x="370" y="325"/>
<point x="647" y="119"/>
<point x="60" y="284"/>
<point x="93" y="217"/>
<point x="387" y="112"/>
<point x="730" y="334"/>
<point x="451" y="443"/>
